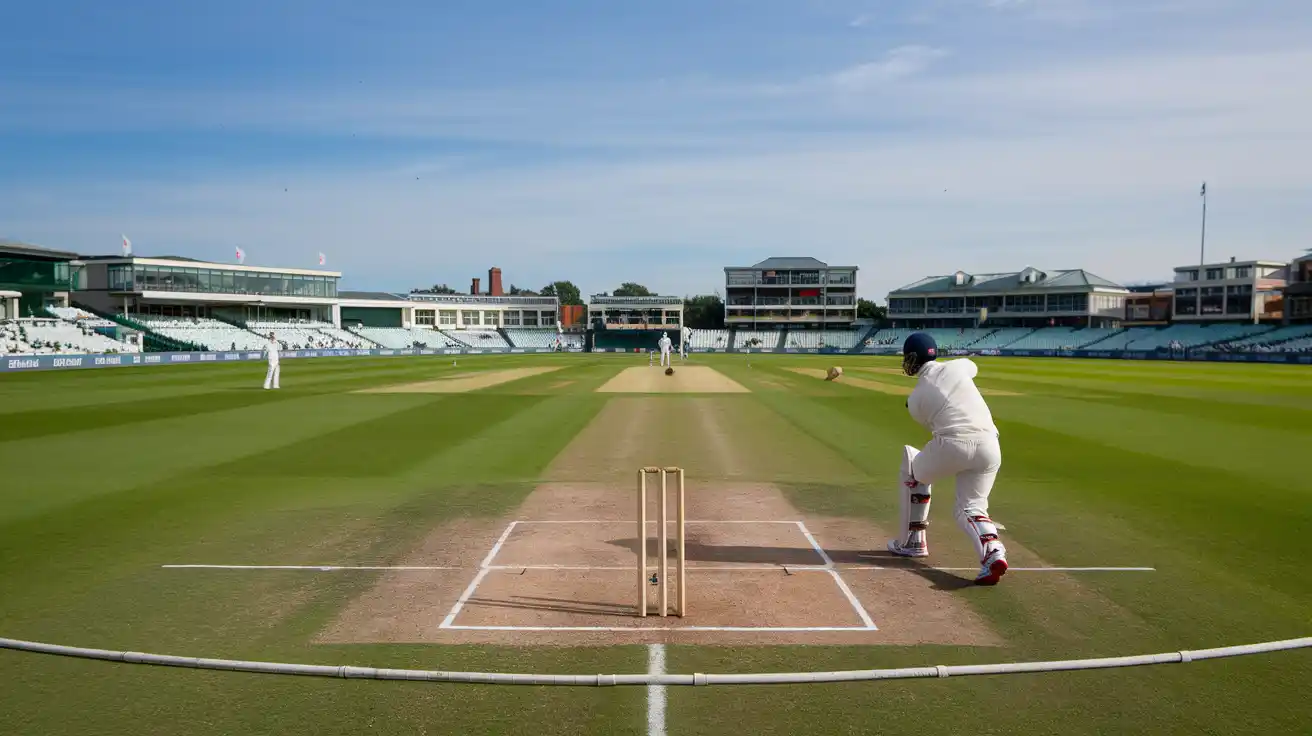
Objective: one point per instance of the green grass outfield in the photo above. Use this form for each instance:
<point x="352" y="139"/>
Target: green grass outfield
<point x="1201" y="471"/>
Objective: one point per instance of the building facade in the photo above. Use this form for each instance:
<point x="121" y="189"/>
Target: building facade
<point x="1147" y="306"/>
<point x="1237" y="291"/>
<point x="482" y="311"/>
<point x="790" y="292"/>
<point x="1298" y="291"/>
<point x="1026" y="298"/>
<point x="42" y="277"/>
<point x="172" y="286"/>
<point x="636" y="312"/>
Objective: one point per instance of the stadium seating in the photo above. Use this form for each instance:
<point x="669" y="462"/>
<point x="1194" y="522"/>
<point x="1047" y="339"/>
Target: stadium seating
<point x="210" y="334"/>
<point x="811" y="339"/>
<point x="1001" y="338"/>
<point x="709" y="340"/>
<point x="13" y="340"/>
<point x="947" y="338"/>
<point x="1062" y="338"/>
<point x="80" y="316"/>
<point x="1293" y="339"/>
<point x="401" y="338"/>
<point x="309" y="335"/>
<point x="477" y="338"/>
<point x="55" y="336"/>
<point x="543" y="337"/>
<point x="767" y="339"/>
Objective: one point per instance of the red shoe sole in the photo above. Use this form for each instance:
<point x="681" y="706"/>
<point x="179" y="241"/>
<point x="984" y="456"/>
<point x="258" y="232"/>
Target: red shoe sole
<point x="996" y="571"/>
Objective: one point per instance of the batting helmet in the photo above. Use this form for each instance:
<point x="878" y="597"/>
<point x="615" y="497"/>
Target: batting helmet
<point x="918" y="350"/>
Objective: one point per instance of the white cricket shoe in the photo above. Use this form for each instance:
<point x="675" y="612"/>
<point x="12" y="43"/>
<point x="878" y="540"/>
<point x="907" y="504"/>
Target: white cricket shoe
<point x="901" y="549"/>
<point x="993" y="567"/>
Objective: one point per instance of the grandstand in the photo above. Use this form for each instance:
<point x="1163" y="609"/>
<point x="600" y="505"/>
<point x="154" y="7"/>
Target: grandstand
<point x="1291" y="339"/>
<point x="477" y="338"/>
<point x="309" y="335"/>
<point x="55" y="336"/>
<point x="1185" y="336"/>
<point x="210" y="334"/>
<point x="13" y="340"/>
<point x="542" y="338"/>
<point x="813" y="339"/>
<point x="1062" y="338"/>
<point x="403" y="338"/>
<point x="709" y="339"/>
<point x="80" y="316"/>
<point x="1001" y="338"/>
<point x="764" y="339"/>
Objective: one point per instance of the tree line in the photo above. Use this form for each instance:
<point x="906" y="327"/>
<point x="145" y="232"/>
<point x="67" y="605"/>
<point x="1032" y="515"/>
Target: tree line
<point x="701" y="312"/>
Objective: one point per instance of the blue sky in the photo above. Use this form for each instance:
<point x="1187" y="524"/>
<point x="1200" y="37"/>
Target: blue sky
<point x="419" y="142"/>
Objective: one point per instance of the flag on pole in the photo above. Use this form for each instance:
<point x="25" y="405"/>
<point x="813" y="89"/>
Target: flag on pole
<point x="127" y="246"/>
<point x="322" y="259"/>
<point x="241" y="255"/>
<point x="1203" y="192"/>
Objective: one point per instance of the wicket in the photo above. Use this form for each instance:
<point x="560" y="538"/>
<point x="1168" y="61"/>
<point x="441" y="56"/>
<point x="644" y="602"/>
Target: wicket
<point x="662" y="578"/>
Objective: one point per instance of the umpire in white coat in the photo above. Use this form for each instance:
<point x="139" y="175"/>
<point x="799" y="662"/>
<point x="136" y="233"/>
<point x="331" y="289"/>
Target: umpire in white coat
<point x="964" y="445"/>
<point x="275" y="370"/>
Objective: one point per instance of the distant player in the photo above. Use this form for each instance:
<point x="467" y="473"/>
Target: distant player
<point x="275" y="371"/>
<point x="685" y="337"/>
<point x="965" y="446"/>
<point x="665" y="344"/>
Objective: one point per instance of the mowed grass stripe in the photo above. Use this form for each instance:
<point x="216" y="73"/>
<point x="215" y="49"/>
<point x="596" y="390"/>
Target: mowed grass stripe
<point x="387" y="445"/>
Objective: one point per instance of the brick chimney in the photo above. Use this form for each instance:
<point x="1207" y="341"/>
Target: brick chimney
<point x="473" y="289"/>
<point x="494" y="282"/>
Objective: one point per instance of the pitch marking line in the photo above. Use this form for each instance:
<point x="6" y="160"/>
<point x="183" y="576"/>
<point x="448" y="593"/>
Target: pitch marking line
<point x="482" y="573"/>
<point x="641" y="629"/>
<point x="634" y="521"/>
<point x="656" y="698"/>
<point x="607" y="568"/>
<point x="842" y="585"/>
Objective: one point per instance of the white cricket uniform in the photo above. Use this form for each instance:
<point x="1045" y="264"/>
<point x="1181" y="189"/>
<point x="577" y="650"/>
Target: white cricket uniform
<point x="685" y="338"/>
<point x="275" y="370"/>
<point x="665" y="345"/>
<point x="965" y="443"/>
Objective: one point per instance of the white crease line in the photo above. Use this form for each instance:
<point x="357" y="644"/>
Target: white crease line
<point x="635" y="521"/>
<point x="1009" y="569"/>
<point x="656" y="699"/>
<point x="611" y="568"/>
<point x="473" y="584"/>
<point x="640" y="629"/>
<point x="842" y="585"/>
<point x="322" y="568"/>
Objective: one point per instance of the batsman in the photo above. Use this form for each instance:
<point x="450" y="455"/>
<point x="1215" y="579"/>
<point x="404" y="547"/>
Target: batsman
<point x="964" y="445"/>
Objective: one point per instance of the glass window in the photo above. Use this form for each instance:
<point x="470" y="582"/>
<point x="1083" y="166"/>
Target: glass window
<point x="530" y="319"/>
<point x="447" y="317"/>
<point x="469" y="317"/>
<point x="1243" y="272"/>
<point x="1215" y="274"/>
<point x="490" y="319"/>
<point x="511" y="317"/>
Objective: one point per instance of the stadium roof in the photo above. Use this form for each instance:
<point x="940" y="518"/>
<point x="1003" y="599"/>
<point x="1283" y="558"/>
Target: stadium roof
<point x="379" y="296"/>
<point x="994" y="282"/>
<point x="791" y="263"/>
<point x="18" y="248"/>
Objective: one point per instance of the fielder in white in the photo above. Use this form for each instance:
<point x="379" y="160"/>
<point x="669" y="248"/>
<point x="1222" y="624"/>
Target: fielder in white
<point x="275" y="371"/>
<point x="965" y="446"/>
<point x="685" y="336"/>
<point x="665" y="344"/>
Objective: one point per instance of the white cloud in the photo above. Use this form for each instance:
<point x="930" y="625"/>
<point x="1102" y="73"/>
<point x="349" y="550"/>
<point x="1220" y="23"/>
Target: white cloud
<point x="898" y="63"/>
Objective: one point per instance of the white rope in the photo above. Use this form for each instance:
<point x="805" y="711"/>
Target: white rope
<point x="773" y="678"/>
